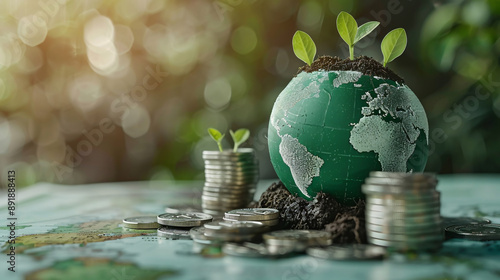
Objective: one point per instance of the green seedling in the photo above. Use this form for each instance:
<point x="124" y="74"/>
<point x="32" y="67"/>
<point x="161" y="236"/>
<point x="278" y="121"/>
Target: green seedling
<point x="349" y="31"/>
<point x="217" y="136"/>
<point x="241" y="135"/>
<point x="393" y="45"/>
<point x="304" y="47"/>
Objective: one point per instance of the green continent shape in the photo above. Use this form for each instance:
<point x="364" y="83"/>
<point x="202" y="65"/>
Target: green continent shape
<point x="96" y="268"/>
<point x="391" y="124"/>
<point x="84" y="233"/>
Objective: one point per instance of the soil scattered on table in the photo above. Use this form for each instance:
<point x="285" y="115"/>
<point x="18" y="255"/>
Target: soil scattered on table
<point x="363" y="64"/>
<point x="346" y="223"/>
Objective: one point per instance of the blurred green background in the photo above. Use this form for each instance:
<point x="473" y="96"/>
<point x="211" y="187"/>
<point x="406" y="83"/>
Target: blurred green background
<point x="96" y="90"/>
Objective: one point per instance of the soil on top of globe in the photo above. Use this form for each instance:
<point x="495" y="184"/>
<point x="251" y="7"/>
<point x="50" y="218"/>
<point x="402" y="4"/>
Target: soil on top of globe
<point x="366" y="65"/>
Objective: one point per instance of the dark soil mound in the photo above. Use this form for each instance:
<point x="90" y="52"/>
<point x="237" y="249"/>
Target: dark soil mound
<point x="363" y="64"/>
<point x="347" y="224"/>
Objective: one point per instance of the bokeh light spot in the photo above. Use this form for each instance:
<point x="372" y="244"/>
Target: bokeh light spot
<point x="310" y="15"/>
<point x="32" y="32"/>
<point x="99" y="31"/>
<point x="217" y="93"/>
<point x="243" y="40"/>
<point x="5" y="136"/>
<point x="136" y="121"/>
<point x="124" y="38"/>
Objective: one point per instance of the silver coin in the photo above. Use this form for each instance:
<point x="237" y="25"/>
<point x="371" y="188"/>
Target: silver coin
<point x="230" y="186"/>
<point x="416" y="246"/>
<point x="236" y="227"/>
<point x="227" y="195"/>
<point x="348" y="252"/>
<point x="198" y="236"/>
<point x="407" y="218"/>
<point x="285" y="249"/>
<point x="479" y="232"/>
<point x="436" y="236"/>
<point x="184" y="219"/>
<point x="227" y="176"/>
<point x="308" y="237"/>
<point x="401" y="202"/>
<point x="410" y="198"/>
<point x="214" y="212"/>
<point x="407" y="183"/>
<point x="269" y="223"/>
<point x="403" y="175"/>
<point x="247" y="179"/>
<point x="142" y="222"/>
<point x="174" y="233"/>
<point x="398" y="220"/>
<point x="458" y="221"/>
<point x="231" y="165"/>
<point x="239" y="250"/>
<point x="386" y="189"/>
<point x="402" y="210"/>
<point x="230" y="181"/>
<point x="253" y="214"/>
<point x="249" y="169"/>
<point x="223" y="191"/>
<point x="232" y="173"/>
<point x="410" y="230"/>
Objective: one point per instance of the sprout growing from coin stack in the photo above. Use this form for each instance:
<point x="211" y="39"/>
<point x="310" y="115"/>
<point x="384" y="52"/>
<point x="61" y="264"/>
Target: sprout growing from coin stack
<point x="230" y="175"/>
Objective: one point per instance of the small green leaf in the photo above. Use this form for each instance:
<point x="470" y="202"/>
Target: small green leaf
<point x="304" y="47"/>
<point x="347" y="27"/>
<point x="241" y="135"/>
<point x="365" y="29"/>
<point x="217" y="136"/>
<point x="393" y="45"/>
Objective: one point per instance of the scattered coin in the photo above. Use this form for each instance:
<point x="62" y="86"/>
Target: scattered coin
<point x="198" y="236"/>
<point x="457" y="221"/>
<point x="173" y="233"/>
<point x="142" y="222"/>
<point x="184" y="219"/>
<point x="297" y="240"/>
<point x="479" y="232"/>
<point x="269" y="223"/>
<point x="347" y="252"/>
<point x="253" y="214"/>
<point x="240" y="250"/>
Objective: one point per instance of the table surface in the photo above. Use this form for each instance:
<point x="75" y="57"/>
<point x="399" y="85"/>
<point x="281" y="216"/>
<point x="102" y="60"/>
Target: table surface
<point x="75" y="232"/>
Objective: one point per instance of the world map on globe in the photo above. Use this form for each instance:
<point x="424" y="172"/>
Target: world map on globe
<point x="329" y="129"/>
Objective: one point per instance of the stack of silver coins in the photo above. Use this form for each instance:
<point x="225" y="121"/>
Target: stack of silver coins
<point x="403" y="211"/>
<point x="266" y="216"/>
<point x="230" y="180"/>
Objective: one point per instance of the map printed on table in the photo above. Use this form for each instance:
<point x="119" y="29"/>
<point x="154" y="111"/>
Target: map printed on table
<point x="76" y="232"/>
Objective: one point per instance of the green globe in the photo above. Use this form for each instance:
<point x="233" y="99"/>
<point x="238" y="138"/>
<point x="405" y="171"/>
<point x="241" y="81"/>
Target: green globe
<point x="329" y="129"/>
